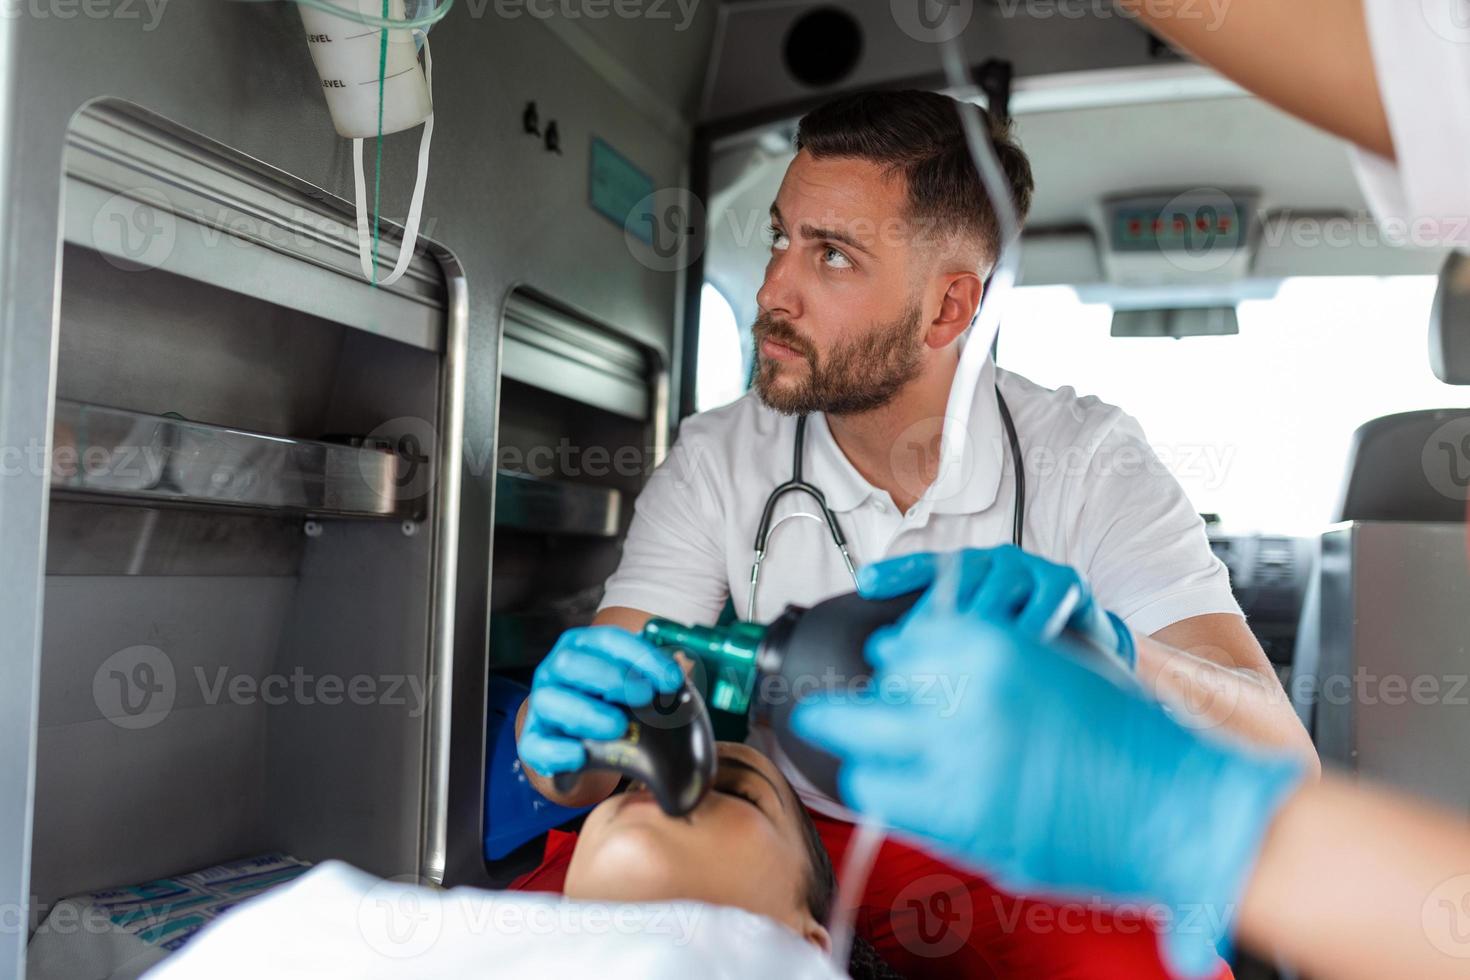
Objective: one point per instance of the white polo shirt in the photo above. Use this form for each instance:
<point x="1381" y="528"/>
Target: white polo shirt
<point x="1422" y="61"/>
<point x="1097" y="499"/>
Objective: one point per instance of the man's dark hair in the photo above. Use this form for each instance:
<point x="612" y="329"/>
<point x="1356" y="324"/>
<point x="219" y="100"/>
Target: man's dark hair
<point x="919" y="134"/>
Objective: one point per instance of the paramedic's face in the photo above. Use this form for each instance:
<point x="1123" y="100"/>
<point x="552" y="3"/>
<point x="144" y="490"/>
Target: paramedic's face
<point x="841" y="311"/>
<point x="742" y="847"/>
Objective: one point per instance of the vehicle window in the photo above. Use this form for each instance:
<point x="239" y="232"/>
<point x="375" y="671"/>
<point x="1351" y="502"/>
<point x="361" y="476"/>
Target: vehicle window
<point x="720" y="372"/>
<point x="1256" y="426"/>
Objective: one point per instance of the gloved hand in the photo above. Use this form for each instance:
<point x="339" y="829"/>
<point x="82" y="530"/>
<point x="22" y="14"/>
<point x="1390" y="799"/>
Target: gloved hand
<point x="577" y="688"/>
<point x="1010" y="587"/>
<point x="1048" y="777"/>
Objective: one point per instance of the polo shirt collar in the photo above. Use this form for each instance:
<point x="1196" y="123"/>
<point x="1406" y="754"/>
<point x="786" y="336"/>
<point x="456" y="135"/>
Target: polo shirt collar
<point x="829" y="469"/>
<point x="969" y="477"/>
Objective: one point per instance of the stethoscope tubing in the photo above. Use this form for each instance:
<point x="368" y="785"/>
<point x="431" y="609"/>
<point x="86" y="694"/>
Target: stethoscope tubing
<point x="798" y="484"/>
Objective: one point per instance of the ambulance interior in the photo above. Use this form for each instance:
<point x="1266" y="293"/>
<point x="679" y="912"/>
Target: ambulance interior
<point x="417" y="487"/>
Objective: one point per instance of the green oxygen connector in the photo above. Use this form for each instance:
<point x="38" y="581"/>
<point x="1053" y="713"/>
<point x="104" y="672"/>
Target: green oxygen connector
<point x="728" y="654"/>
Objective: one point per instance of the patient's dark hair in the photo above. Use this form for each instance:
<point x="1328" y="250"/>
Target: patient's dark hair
<point x="919" y="134"/>
<point x="821" y="888"/>
<point x="821" y="880"/>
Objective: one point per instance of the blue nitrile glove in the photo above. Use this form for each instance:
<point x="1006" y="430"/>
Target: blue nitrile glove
<point x="1025" y="764"/>
<point x="1011" y="587"/>
<point x="576" y="689"/>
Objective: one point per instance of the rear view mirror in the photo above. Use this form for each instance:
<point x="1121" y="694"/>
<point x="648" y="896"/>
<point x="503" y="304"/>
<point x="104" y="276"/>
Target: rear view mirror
<point x="1186" y="321"/>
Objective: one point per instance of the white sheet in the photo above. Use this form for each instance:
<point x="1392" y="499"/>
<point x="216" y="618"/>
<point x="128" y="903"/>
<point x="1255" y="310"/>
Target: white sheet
<point x="337" y="921"/>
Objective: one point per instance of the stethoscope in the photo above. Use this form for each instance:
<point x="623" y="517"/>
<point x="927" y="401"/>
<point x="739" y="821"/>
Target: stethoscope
<point x="799" y="485"/>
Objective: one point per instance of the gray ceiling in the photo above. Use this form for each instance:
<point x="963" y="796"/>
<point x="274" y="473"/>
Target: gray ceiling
<point x="1101" y="111"/>
<point x="747" y="72"/>
<point x="1081" y="157"/>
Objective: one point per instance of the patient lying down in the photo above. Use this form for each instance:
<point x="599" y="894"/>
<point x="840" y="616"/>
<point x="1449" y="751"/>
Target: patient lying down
<point x="740" y="887"/>
<point x="749" y="844"/>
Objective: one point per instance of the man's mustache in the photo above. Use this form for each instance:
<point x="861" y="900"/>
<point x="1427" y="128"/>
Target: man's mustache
<point x="781" y="332"/>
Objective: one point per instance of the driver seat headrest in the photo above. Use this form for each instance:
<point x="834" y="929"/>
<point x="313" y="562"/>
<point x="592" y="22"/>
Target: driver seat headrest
<point x="1449" y="322"/>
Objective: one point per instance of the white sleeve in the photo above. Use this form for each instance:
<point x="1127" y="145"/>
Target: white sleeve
<point x="673" y="561"/>
<point x="1139" y="541"/>
<point x="1423" y="69"/>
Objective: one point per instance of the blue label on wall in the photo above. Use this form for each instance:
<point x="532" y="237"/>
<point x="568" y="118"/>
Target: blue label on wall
<point x="615" y="187"/>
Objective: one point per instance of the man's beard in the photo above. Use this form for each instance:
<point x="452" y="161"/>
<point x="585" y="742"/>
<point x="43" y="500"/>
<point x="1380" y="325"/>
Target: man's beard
<point x="857" y="375"/>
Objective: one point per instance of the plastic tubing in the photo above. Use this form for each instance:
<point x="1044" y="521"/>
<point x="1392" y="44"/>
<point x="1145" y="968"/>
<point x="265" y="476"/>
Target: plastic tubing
<point x="1007" y="264"/>
<point x="857" y="865"/>
<point x="863" y="848"/>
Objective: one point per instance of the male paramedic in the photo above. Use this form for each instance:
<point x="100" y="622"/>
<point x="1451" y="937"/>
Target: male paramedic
<point x="882" y="238"/>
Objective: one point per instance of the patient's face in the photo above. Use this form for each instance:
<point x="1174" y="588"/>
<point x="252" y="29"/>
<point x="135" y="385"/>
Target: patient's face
<point x="743" y="846"/>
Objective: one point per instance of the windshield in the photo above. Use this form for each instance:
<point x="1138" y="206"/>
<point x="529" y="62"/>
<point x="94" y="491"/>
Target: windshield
<point x="1255" y="426"/>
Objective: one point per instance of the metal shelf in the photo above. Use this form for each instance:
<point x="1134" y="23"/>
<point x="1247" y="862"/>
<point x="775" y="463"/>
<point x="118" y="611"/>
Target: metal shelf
<point x="287" y="244"/>
<point x="528" y="503"/>
<point x="128" y="456"/>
